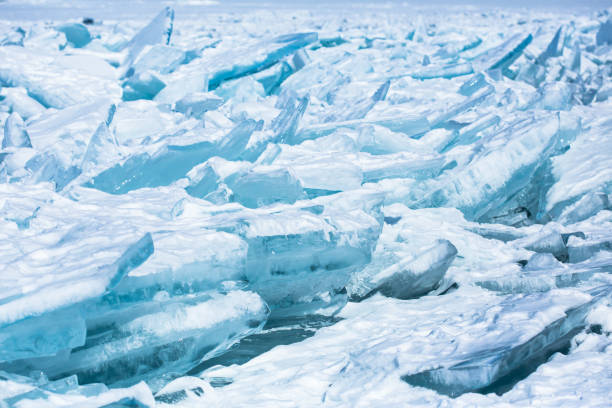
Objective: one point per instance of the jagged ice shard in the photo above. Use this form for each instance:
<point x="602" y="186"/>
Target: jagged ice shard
<point x="233" y="204"/>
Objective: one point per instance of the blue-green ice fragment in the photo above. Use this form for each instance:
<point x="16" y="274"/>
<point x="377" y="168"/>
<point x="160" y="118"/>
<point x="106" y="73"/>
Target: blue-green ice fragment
<point x="77" y="34"/>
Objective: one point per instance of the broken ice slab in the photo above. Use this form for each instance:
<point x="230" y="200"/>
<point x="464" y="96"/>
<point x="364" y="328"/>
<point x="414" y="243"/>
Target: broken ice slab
<point x="583" y="169"/>
<point x="144" y="85"/>
<point x="547" y="240"/>
<point x="320" y="80"/>
<point x="13" y="36"/>
<point x="151" y="339"/>
<point x="495" y="365"/>
<point x="399" y="165"/>
<point x="144" y="80"/>
<point x="47" y="241"/>
<point x="380" y="140"/>
<point x="515" y="217"/>
<point x="245" y="89"/>
<point x="257" y="246"/>
<point x="279" y="130"/>
<point x="161" y="168"/>
<point x="482" y="186"/>
<point x="542" y="260"/>
<point x="77" y="34"/>
<point x="358" y="109"/>
<point x="21" y="391"/>
<point x="499" y="232"/>
<point x="473" y="84"/>
<point x="475" y="99"/>
<point x="51" y="84"/>
<point x="265" y="185"/>
<point x="586" y="207"/>
<point x="503" y="55"/>
<point x="159" y="58"/>
<point x="48" y="166"/>
<point x="158" y="31"/>
<point x="101" y="150"/>
<point x="18" y="101"/>
<point x="314" y="176"/>
<point x="604" y="34"/>
<point x="179" y="88"/>
<point x="368" y="346"/>
<point x="15" y="134"/>
<point x="61" y="139"/>
<point x="273" y="77"/>
<point x="531" y="73"/>
<point x="197" y="103"/>
<point x="408" y="278"/>
<point x="170" y="162"/>
<point x="325" y="236"/>
<point x="555" y="47"/>
<point x="468" y="134"/>
<point x="206" y="177"/>
<point x="286" y="123"/>
<point x="581" y="249"/>
<point x="50" y="291"/>
<point x="554" y="96"/>
<point x="189" y="257"/>
<point x="42" y="336"/>
<point x="185" y="262"/>
<point x="255" y="59"/>
<point x="296" y="255"/>
<point x="312" y="167"/>
<point x="543" y="273"/>
<point x="243" y="60"/>
<point x="455" y="43"/>
<point x="445" y="71"/>
<point x="188" y="261"/>
<point x="410" y="125"/>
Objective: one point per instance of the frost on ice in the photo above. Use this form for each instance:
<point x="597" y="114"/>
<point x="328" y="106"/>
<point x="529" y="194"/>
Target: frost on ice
<point x="398" y="207"/>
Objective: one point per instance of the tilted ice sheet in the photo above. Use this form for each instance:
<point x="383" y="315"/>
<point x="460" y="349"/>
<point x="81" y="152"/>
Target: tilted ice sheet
<point x="52" y="84"/>
<point x="322" y="370"/>
<point x="585" y="167"/>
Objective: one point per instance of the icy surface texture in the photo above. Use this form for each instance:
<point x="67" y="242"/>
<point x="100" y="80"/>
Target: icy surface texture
<point x="236" y="204"/>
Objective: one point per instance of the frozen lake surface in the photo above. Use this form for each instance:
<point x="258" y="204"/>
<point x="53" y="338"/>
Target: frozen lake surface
<point x="305" y="204"/>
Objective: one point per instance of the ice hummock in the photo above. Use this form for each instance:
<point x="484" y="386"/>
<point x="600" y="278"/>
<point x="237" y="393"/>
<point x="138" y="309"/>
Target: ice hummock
<point x="492" y="370"/>
<point x="364" y="206"/>
<point x="410" y="277"/>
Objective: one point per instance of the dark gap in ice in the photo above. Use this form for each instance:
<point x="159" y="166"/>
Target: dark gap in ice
<point x="578" y="234"/>
<point x="177" y="396"/>
<point x="127" y="402"/>
<point x="316" y="192"/>
<point x="218" y="382"/>
<point x="452" y="125"/>
<point x="450" y="289"/>
<point x="392" y="220"/>
<point x="276" y="332"/>
<point x="505" y="384"/>
<point x="171" y="397"/>
<point x="595" y="328"/>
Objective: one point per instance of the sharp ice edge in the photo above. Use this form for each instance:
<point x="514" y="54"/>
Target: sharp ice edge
<point x="372" y="212"/>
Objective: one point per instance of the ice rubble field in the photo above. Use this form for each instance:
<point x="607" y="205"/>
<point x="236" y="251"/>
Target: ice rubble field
<point x="346" y="208"/>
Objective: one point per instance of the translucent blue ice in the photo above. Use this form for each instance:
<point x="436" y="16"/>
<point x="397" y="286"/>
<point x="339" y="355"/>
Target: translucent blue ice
<point x="226" y="204"/>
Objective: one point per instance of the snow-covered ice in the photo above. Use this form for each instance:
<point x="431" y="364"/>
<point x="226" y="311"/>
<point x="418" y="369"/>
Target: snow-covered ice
<point x="311" y="204"/>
